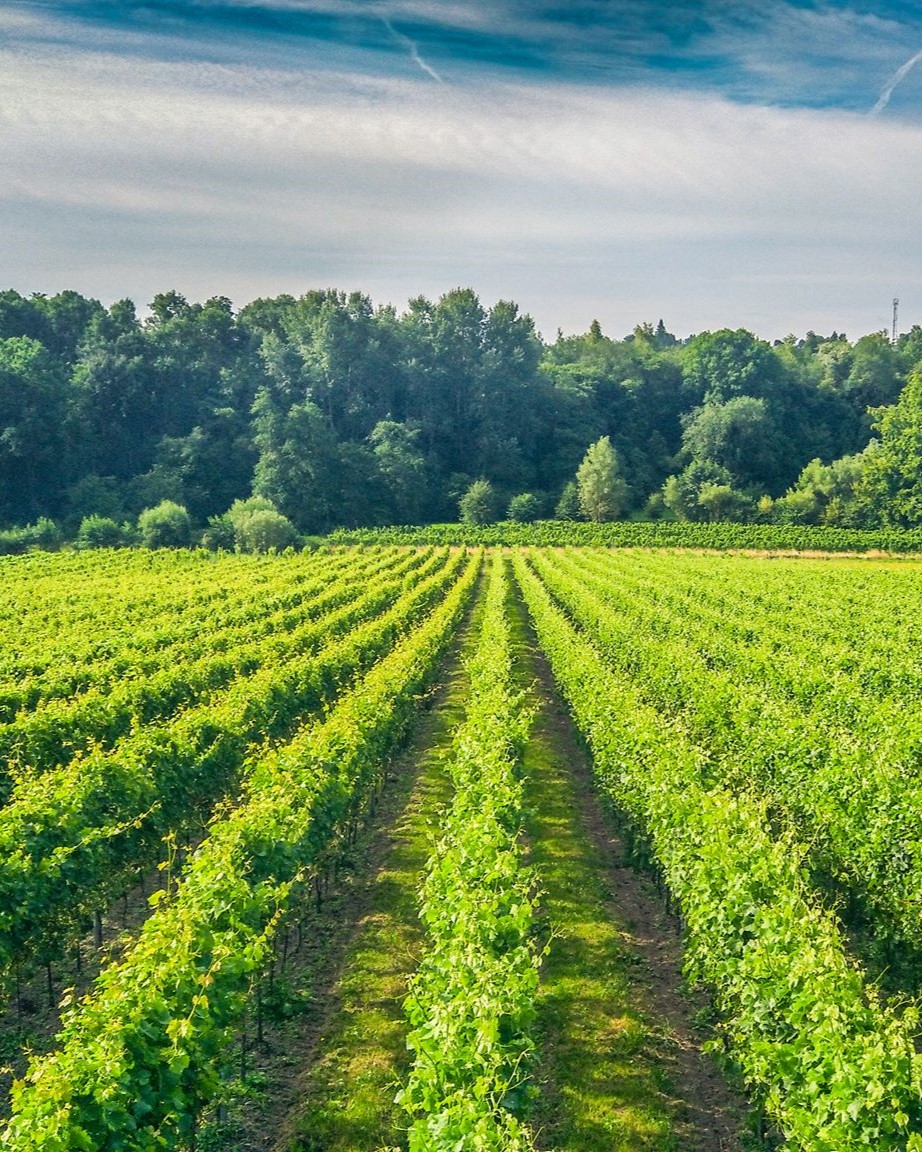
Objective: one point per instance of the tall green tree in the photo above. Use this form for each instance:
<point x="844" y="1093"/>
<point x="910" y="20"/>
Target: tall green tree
<point x="741" y="436"/>
<point x="297" y="464"/>
<point x="719" y="365"/>
<point x="892" y="481"/>
<point x="603" y="493"/>
<point x="402" y="468"/>
<point x="31" y="417"/>
<point x="478" y="504"/>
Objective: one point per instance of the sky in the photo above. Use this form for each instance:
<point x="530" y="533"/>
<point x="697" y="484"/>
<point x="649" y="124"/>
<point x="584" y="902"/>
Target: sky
<point x="713" y="163"/>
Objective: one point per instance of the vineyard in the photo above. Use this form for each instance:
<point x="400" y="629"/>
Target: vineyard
<point x="437" y="847"/>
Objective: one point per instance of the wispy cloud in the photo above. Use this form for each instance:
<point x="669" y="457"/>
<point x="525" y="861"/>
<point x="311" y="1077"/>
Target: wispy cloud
<point x="223" y="180"/>
<point x="709" y="162"/>
<point x="827" y="53"/>
<point x="412" y="49"/>
<point x="895" y="80"/>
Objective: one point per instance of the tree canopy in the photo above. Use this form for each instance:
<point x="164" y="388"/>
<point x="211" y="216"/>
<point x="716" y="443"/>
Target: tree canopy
<point x="341" y="413"/>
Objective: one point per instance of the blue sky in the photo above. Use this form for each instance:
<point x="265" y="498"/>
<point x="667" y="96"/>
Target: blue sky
<point x="713" y="163"/>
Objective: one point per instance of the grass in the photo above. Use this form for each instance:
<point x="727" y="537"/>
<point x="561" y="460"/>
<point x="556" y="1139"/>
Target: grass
<point x="348" y="1092"/>
<point x="607" y="1061"/>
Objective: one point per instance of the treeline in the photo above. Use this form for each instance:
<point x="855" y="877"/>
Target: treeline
<point x="336" y="413"/>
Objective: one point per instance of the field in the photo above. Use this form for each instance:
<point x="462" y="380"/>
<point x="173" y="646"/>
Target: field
<point x="388" y="847"/>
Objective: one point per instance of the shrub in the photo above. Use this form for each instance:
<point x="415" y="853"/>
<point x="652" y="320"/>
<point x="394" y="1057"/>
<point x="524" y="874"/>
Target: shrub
<point x="166" y="525"/>
<point x="478" y="504"/>
<point x="524" y="508"/>
<point x="568" y="506"/>
<point x="44" y="535"/>
<point x="265" y="529"/>
<point x="101" y="532"/>
<point x="220" y="534"/>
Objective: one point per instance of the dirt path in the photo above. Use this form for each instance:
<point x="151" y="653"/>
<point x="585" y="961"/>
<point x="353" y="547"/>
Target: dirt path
<point x="621" y="1063"/>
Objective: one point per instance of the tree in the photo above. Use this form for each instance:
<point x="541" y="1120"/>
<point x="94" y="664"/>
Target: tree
<point x="681" y="493"/>
<point x="827" y="493"/>
<point x="603" y="494"/>
<point x="31" y="417"/>
<point x="100" y="496"/>
<point x="166" y="525"/>
<point x="568" y="506"/>
<point x="740" y="435"/>
<point x="724" y="502"/>
<point x="720" y="365"/>
<point x="297" y="465"/>
<point x="259" y="526"/>
<point x="892" y="481"/>
<point x="478" y="504"/>
<point x="402" y="469"/>
<point x="267" y="530"/>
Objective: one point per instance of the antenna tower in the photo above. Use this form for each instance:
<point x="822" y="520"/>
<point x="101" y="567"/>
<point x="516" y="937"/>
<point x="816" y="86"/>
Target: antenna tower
<point x="896" y="309"/>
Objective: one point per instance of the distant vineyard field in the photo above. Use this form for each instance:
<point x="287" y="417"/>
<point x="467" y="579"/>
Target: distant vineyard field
<point x="195" y="747"/>
<point x="642" y="534"/>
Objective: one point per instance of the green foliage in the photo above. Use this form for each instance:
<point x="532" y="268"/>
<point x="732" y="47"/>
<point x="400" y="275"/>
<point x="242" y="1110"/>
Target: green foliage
<point x="32" y="407"/>
<point x="722" y="502"/>
<point x="650" y="534"/>
<point x="86" y="826"/>
<point x="166" y="525"/>
<point x="682" y="494"/>
<point x="344" y="414"/>
<point x="102" y="532"/>
<point x="892" y="483"/>
<point x="471" y="1003"/>
<point x="603" y="494"/>
<point x="738" y="435"/>
<point x="296" y="469"/>
<point x="833" y="494"/>
<point x="348" y="415"/>
<point x="524" y="508"/>
<point x="97" y="496"/>
<point x="796" y="709"/>
<point x="402" y="468"/>
<point x="718" y="366"/>
<point x="142" y="1056"/>
<point x="44" y="535"/>
<point x="220" y="535"/>
<point x="568" y="506"/>
<point x="478" y="504"/>
<point x="264" y="530"/>
<point x="257" y="526"/>
<point x="834" y="1068"/>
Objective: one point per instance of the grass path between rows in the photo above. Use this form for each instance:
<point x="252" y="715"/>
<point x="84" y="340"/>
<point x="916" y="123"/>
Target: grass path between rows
<point x="347" y="1092"/>
<point x="620" y="1062"/>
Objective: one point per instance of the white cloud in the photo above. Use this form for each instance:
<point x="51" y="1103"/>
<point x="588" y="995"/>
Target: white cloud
<point x="130" y="176"/>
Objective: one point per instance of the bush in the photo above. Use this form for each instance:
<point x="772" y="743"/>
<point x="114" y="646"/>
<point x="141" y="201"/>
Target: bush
<point x="524" y="508"/>
<point x="478" y="504"/>
<point x="568" y="506"/>
<point x="102" y="532"/>
<point x="265" y="529"/>
<point x="251" y="525"/>
<point x="43" y="535"/>
<point x="93" y="495"/>
<point x="220" y="535"/>
<point x="166" y="525"/>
